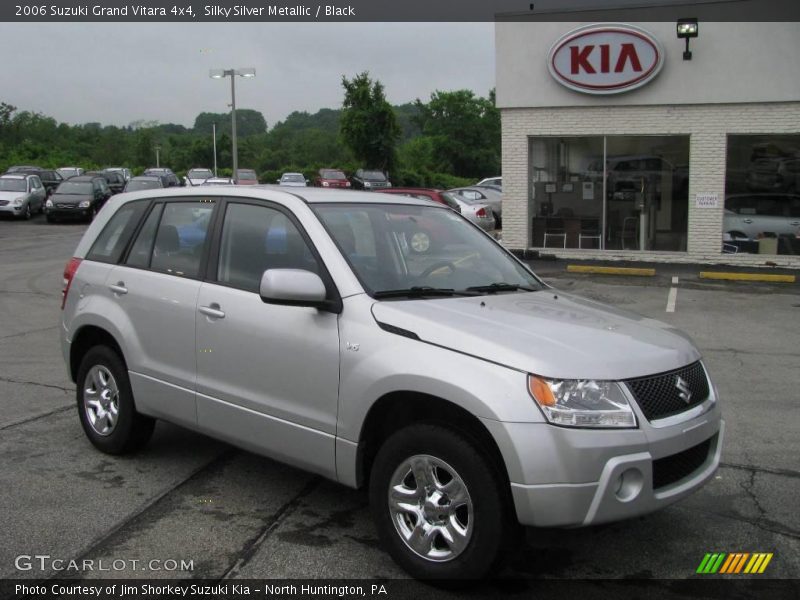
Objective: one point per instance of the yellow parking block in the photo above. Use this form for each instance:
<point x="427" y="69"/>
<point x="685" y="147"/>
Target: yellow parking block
<point x="638" y="272"/>
<point x="747" y="276"/>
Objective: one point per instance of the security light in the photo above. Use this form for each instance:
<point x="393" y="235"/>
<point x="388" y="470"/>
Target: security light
<point x="686" y="29"/>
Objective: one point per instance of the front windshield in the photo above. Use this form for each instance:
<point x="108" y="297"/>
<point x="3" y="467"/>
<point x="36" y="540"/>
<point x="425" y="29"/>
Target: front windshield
<point x="12" y="185"/>
<point x="374" y="175"/>
<point x="296" y="177"/>
<point x="247" y="175"/>
<point x="67" y="172"/>
<point x="74" y="187"/>
<point x="404" y="247"/>
<point x="338" y="175"/>
<point x="199" y="174"/>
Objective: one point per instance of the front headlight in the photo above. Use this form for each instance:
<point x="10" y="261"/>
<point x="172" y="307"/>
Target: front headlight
<point x="582" y="402"/>
<point x="367" y="184"/>
<point x="49" y="203"/>
<point x="18" y="201"/>
<point x="85" y="204"/>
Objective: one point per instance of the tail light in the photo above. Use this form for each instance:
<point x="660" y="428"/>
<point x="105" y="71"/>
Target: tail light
<point x="69" y="274"/>
<point x="481" y="212"/>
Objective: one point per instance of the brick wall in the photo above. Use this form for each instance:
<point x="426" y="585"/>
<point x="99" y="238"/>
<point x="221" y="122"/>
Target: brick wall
<point x="707" y="125"/>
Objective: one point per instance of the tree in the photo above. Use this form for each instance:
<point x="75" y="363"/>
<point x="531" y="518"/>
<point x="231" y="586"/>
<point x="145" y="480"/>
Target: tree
<point x="248" y="122"/>
<point x="368" y="123"/>
<point x="465" y="132"/>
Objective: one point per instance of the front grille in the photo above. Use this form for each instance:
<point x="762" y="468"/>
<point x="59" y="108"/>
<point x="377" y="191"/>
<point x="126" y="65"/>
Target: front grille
<point x="670" y="469"/>
<point x="659" y="395"/>
<point x="63" y="205"/>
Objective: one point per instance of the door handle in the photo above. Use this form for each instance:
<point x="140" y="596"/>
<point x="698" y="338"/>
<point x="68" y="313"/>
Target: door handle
<point x="795" y="223"/>
<point x="118" y="288"/>
<point x="747" y="220"/>
<point x="212" y="311"/>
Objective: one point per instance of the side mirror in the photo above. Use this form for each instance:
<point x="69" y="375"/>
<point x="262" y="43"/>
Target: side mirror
<point x="295" y="287"/>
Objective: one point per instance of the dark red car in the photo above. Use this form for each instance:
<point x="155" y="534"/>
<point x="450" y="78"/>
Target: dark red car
<point x="331" y="178"/>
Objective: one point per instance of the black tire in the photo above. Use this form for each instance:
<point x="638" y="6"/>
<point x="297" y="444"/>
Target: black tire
<point x="131" y="430"/>
<point x="493" y="528"/>
<point x="27" y="214"/>
<point x="498" y="222"/>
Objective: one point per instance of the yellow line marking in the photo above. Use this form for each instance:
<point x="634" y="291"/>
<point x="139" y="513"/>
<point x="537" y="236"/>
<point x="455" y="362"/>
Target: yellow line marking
<point x="757" y="558"/>
<point x="639" y="272"/>
<point x="747" y="276"/>
<point x="765" y="563"/>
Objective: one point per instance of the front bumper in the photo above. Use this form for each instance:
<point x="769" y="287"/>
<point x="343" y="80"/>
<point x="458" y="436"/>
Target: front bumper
<point x="11" y="209"/>
<point x="562" y="477"/>
<point x="68" y="213"/>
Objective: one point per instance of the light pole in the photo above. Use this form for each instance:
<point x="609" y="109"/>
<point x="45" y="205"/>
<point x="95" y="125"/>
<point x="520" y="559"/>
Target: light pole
<point x="232" y="73"/>
<point x="158" y="148"/>
<point x="214" y="135"/>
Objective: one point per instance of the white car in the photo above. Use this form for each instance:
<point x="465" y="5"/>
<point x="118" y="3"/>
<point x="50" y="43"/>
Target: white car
<point x="494" y="181"/>
<point x="198" y="176"/>
<point x="752" y="215"/>
<point x="293" y="180"/>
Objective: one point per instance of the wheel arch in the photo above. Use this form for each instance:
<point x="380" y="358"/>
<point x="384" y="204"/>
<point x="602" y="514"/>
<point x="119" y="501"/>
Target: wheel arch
<point x="398" y="409"/>
<point x="86" y="338"/>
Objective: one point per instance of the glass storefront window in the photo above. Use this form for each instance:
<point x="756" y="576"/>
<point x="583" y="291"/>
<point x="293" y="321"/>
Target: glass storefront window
<point x="610" y="192"/>
<point x="762" y="194"/>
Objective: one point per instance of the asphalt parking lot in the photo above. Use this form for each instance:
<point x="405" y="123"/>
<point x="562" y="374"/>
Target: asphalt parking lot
<point x="234" y="514"/>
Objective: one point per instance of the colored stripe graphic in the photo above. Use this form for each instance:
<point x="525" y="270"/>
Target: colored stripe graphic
<point x="734" y="563"/>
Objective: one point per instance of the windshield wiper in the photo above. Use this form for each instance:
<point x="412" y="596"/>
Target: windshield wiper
<point x="500" y="287"/>
<point x="421" y="291"/>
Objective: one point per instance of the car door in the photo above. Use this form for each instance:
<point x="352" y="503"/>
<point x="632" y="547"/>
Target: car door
<point x="155" y="290"/>
<point x="267" y="374"/>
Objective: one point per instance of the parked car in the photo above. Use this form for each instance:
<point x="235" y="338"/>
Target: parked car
<point x="462" y="390"/>
<point x="50" y="178"/>
<point x="293" y="180"/>
<point x="21" y="168"/>
<point x="750" y="216"/>
<point x="78" y="197"/>
<point x="143" y="182"/>
<point x="334" y="178"/>
<point x="67" y="172"/>
<point x="197" y="176"/>
<point x="169" y="177"/>
<point x="368" y="179"/>
<point x="126" y="172"/>
<point x="21" y="194"/>
<point x="478" y="213"/>
<point x="246" y="177"/>
<point x="774" y="175"/>
<point x="114" y="179"/>
<point x="218" y="181"/>
<point x="485" y="195"/>
<point x="492" y="181"/>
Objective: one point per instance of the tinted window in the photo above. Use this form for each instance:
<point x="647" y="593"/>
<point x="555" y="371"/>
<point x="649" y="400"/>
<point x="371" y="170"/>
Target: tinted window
<point x="74" y="187"/>
<point x="111" y="242"/>
<point x="12" y="185"/>
<point x="257" y="238"/>
<point x="181" y="237"/>
<point x="332" y="175"/>
<point x="142" y="248"/>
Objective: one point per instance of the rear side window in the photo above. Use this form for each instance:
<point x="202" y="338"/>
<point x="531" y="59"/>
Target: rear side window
<point x="111" y="242"/>
<point x="181" y="237"/>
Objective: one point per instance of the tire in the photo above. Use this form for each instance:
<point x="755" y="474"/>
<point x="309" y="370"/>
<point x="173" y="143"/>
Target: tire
<point x="476" y="515"/>
<point x="498" y="222"/>
<point x="102" y="370"/>
<point x="27" y="214"/>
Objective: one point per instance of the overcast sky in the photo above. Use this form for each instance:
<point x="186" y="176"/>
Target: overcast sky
<point x="117" y="73"/>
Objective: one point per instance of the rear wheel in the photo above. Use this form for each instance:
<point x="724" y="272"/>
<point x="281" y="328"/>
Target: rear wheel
<point x="105" y="404"/>
<point x="439" y="504"/>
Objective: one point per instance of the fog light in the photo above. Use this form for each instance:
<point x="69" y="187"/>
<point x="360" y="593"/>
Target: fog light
<point x="629" y="485"/>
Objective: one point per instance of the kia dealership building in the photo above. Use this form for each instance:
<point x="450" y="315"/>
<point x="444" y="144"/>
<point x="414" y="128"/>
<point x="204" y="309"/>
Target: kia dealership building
<point x="620" y="140"/>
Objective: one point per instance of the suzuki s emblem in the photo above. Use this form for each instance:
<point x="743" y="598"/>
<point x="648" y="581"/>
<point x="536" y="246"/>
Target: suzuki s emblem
<point x="683" y="387"/>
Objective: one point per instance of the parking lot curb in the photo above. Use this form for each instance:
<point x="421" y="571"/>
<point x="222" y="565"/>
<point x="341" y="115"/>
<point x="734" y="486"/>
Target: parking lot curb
<point x="636" y="272"/>
<point x="747" y="276"/>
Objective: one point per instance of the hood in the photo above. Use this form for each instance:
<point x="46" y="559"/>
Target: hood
<point x="196" y="180"/>
<point x="292" y="184"/>
<point x="70" y="198"/>
<point x="12" y="195"/>
<point x="547" y="333"/>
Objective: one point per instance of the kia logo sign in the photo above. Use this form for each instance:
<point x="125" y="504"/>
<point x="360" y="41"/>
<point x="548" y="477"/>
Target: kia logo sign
<point x="605" y="59"/>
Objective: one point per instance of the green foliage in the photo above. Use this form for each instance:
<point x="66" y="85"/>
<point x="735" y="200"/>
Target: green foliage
<point x="464" y="131"/>
<point x="368" y="124"/>
<point x="248" y="122"/>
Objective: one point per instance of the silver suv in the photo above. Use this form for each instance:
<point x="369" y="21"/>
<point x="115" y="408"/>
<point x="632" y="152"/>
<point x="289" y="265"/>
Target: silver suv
<point x="465" y="394"/>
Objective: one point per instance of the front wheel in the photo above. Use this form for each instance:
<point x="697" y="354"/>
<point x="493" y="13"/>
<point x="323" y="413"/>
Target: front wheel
<point x="439" y="504"/>
<point x="105" y="404"/>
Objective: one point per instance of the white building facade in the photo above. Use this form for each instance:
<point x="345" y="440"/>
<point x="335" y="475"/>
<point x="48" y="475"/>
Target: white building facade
<point x="615" y="146"/>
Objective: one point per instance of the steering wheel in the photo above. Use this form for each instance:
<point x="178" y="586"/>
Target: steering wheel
<point x="435" y="267"/>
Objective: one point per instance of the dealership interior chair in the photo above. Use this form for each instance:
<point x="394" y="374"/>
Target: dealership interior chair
<point x="556" y="227"/>
<point x="590" y="230"/>
<point x="630" y="233"/>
